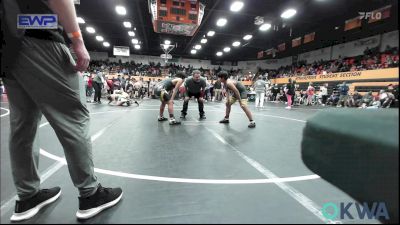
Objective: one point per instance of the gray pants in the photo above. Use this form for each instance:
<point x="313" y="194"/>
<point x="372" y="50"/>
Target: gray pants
<point x="43" y="82"/>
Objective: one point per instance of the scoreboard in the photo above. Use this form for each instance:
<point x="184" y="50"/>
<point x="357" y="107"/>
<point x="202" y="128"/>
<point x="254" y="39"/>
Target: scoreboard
<point x="179" y="17"/>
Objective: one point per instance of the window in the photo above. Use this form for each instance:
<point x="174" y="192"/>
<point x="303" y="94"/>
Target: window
<point x="183" y="4"/>
<point x="192" y="16"/>
<point x="193" y="6"/>
<point x="175" y="3"/>
<point x="177" y="11"/>
<point x="163" y="1"/>
<point x="162" y="12"/>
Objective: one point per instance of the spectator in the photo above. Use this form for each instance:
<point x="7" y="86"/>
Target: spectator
<point x="290" y="92"/>
<point x="343" y="90"/>
<point x="367" y="100"/>
<point x="324" y="93"/>
<point x="260" y="87"/>
<point x="354" y="100"/>
<point x="310" y="94"/>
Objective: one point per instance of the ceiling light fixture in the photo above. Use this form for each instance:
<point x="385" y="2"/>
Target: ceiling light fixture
<point x="237" y="6"/>
<point x="167" y="42"/>
<point x="247" y="37"/>
<point x="219" y="53"/>
<point x="227" y="49"/>
<point x="131" y="33"/>
<point x="90" y="30"/>
<point x="210" y="33"/>
<point x="137" y="46"/>
<point x="221" y="22"/>
<point x="80" y="20"/>
<point x="288" y="13"/>
<point x="236" y="44"/>
<point x="127" y="24"/>
<point x="265" y="27"/>
<point x="198" y="47"/>
<point x="135" y="41"/>
<point x="203" y="41"/>
<point x="106" y="44"/>
<point x="193" y="51"/>
<point x="99" y="38"/>
<point x="120" y="10"/>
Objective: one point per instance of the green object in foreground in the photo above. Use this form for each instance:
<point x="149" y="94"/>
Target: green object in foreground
<point x="357" y="151"/>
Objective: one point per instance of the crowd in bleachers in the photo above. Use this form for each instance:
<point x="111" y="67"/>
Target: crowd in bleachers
<point x="371" y="59"/>
<point x="340" y="96"/>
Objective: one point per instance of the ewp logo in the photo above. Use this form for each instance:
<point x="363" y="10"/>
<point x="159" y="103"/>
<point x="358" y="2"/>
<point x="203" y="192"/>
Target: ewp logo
<point x="378" y="211"/>
<point x="372" y="15"/>
<point x="37" y="21"/>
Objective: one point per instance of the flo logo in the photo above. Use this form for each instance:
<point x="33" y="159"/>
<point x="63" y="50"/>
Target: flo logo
<point x="377" y="210"/>
<point x="372" y="15"/>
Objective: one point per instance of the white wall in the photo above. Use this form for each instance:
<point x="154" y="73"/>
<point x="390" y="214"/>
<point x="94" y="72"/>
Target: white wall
<point x="196" y="63"/>
<point x="355" y="48"/>
<point x="391" y="39"/>
<point x="98" y="55"/>
<point x="252" y="66"/>
<point x="316" y="55"/>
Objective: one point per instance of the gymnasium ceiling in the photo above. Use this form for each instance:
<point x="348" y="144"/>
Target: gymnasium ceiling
<point x="324" y="17"/>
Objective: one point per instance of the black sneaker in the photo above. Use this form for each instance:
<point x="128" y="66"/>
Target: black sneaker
<point x="183" y="116"/>
<point x="137" y="103"/>
<point x="225" y="120"/>
<point x="101" y="200"/>
<point x="202" y="117"/>
<point x="28" y="208"/>
<point x="252" y="124"/>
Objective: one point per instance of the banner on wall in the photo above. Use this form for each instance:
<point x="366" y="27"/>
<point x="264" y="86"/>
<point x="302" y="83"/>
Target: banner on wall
<point x="296" y="42"/>
<point x="260" y="55"/>
<point x="380" y="14"/>
<point x="391" y="73"/>
<point x="309" y="37"/>
<point x="352" y="23"/>
<point x="282" y="47"/>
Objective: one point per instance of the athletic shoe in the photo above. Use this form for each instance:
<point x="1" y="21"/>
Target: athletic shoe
<point x="252" y="124"/>
<point x="162" y="118"/>
<point x="288" y="107"/>
<point x="183" y="116"/>
<point x="103" y="198"/>
<point x="225" y="120"/>
<point x="137" y="103"/>
<point x="172" y="121"/>
<point x="202" y="117"/>
<point x="28" y="208"/>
